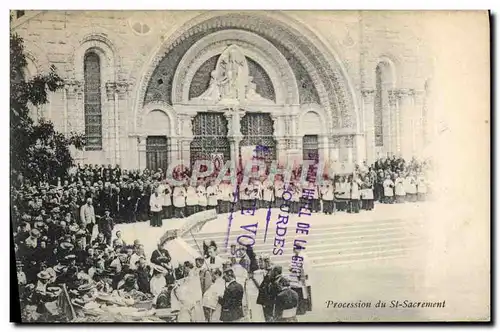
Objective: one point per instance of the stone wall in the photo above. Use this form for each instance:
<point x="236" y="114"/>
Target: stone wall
<point x="128" y="41"/>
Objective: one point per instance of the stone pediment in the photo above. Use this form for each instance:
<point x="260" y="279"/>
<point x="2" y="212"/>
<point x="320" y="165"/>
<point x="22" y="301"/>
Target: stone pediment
<point x="230" y="82"/>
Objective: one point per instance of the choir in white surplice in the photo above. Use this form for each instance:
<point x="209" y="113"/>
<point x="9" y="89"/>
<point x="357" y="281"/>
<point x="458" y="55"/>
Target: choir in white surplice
<point x="349" y="193"/>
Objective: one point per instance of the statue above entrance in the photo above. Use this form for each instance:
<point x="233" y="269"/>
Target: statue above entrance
<point x="230" y="82"/>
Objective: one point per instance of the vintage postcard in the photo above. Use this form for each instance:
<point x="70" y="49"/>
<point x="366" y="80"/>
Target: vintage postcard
<point x="250" y="166"/>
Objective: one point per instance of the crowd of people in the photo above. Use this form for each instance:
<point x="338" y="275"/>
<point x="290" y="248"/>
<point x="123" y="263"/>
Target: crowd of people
<point x="63" y="234"/>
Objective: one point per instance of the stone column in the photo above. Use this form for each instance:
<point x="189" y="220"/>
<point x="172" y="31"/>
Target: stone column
<point x="121" y="98"/>
<point x="280" y="132"/>
<point x="323" y="148"/>
<point x="234" y="133"/>
<point x="360" y="148"/>
<point x="75" y="112"/>
<point x="406" y="123"/>
<point x="65" y="101"/>
<point x="347" y="149"/>
<point x="111" y="93"/>
<point x="141" y="148"/>
<point x="185" y="123"/>
<point x="334" y="145"/>
<point x="420" y="123"/>
<point x="369" y="124"/>
<point x="393" y="145"/>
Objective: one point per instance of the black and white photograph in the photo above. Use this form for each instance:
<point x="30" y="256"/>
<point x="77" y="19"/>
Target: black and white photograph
<point x="209" y="166"/>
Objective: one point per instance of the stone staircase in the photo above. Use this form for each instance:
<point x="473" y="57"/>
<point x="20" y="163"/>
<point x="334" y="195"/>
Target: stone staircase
<point x="338" y="242"/>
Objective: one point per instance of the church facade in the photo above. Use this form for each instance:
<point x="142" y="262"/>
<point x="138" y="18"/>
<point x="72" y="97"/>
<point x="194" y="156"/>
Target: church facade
<point x="148" y="88"/>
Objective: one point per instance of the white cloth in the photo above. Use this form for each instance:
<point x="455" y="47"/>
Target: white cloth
<point x="388" y="188"/>
<point x="156" y="203"/>
<point x="212" y="195"/>
<point x="410" y="185"/>
<point x="179" y="197"/>
<point x="87" y="214"/>
<point x="166" y="194"/>
<point x="268" y="191"/>
<point x="134" y="258"/>
<point x="211" y="296"/>
<point x="355" y="190"/>
<point x="367" y="193"/>
<point x="202" y="195"/>
<point x="191" y="198"/>
<point x="217" y="264"/>
<point x="157" y="284"/>
<point x="399" y="187"/>
<point x="327" y="193"/>
<point x="422" y="185"/>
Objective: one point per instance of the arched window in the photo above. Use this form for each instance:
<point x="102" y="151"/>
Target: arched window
<point x="92" y="100"/>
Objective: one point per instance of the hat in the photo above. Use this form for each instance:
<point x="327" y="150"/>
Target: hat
<point x="44" y="275"/>
<point x="74" y="228"/>
<point x="67" y="245"/>
<point x="39" y="224"/>
<point x="70" y="257"/>
<point x="26" y="217"/>
<point x="160" y="269"/>
<point x="35" y="233"/>
<point x="85" y="287"/>
<point x="227" y="268"/>
<point x="38" y="218"/>
<point x="58" y="268"/>
<point x="130" y="279"/>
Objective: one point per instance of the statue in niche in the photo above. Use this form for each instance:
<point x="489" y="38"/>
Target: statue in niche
<point x="230" y="81"/>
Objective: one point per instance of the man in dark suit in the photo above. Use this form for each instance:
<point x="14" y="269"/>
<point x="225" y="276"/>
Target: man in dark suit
<point x="231" y="301"/>
<point x="287" y="301"/>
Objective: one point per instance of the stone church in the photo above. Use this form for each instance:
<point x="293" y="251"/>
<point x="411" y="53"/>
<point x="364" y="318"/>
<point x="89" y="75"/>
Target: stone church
<point x="150" y="87"/>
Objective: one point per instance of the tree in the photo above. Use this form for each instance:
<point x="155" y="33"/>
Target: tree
<point x="37" y="151"/>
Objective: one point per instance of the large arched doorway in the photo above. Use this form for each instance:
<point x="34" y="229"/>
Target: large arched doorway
<point x="210" y="137"/>
<point x="280" y="65"/>
<point x="257" y="130"/>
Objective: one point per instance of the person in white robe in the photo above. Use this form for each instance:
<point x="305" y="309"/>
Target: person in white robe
<point x="167" y="200"/>
<point x="201" y="191"/>
<point x="421" y="187"/>
<point x="212" y="191"/>
<point x="225" y="197"/>
<point x="211" y="306"/>
<point x="342" y="193"/>
<point x="314" y="204"/>
<point x="296" y="190"/>
<point x="279" y="189"/>
<point x="213" y="260"/>
<point x="399" y="189"/>
<point x="267" y="193"/>
<point x="410" y="184"/>
<point x="187" y="296"/>
<point x="355" y="194"/>
<point x="327" y="197"/>
<point x="367" y="193"/>
<point x="191" y="200"/>
<point x="155" y="204"/>
<point x="388" y="189"/>
<point x="179" y="197"/>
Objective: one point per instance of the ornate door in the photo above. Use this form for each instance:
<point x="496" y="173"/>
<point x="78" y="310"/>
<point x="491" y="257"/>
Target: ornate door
<point x="157" y="152"/>
<point x="257" y="130"/>
<point x="210" y="137"/>
<point x="310" y="147"/>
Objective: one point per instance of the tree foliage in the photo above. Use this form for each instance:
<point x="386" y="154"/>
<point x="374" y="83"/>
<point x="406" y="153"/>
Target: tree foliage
<point x="37" y="150"/>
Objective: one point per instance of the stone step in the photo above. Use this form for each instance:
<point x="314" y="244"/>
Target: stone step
<point x="341" y="250"/>
<point x="333" y="245"/>
<point x="346" y="236"/>
<point x="321" y="227"/>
